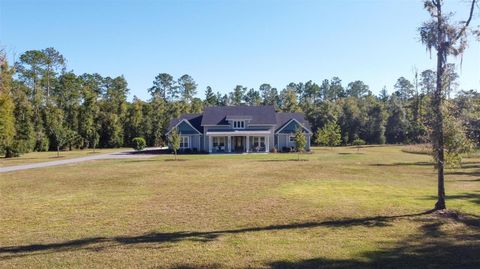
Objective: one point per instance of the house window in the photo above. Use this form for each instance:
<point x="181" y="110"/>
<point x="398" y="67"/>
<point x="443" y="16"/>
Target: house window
<point x="238" y="124"/>
<point x="291" y="138"/>
<point x="185" y="142"/>
<point x="219" y="141"/>
<point x="257" y="143"/>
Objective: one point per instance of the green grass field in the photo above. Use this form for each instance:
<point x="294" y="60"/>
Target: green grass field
<point x="339" y="208"/>
<point x="37" y="157"/>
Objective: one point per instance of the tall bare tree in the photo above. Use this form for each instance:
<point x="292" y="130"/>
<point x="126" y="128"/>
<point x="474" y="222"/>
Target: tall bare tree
<point x="447" y="38"/>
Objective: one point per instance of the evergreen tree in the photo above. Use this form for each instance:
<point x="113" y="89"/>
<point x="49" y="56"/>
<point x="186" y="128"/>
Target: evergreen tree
<point x="68" y="95"/>
<point x="404" y="89"/>
<point x="330" y="135"/>
<point x="375" y="124"/>
<point x="446" y="38"/>
<point x="112" y="115"/>
<point x="164" y="86"/>
<point x="187" y="88"/>
<point x="253" y="98"/>
<point x="397" y="124"/>
<point x="300" y="141"/>
<point x="238" y="95"/>
<point x="210" y="97"/>
<point x="197" y="105"/>
<point x="134" y="121"/>
<point x="336" y="89"/>
<point x="289" y="100"/>
<point x="7" y="119"/>
<point x="383" y="96"/>
<point x="357" y="89"/>
<point x="24" y="140"/>
<point x="269" y="95"/>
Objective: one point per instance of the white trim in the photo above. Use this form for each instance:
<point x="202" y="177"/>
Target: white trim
<point x="209" y="144"/>
<point x="184" y="120"/>
<point x="237" y="132"/>
<point x="199" y="148"/>
<point x="267" y="143"/>
<point x="188" y="142"/>
<point x="239" y="124"/>
<point x="288" y="122"/>
<point x="229" y="142"/>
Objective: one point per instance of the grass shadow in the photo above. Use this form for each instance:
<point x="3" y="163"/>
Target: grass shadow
<point x="464" y="173"/>
<point x="284" y="160"/>
<point x="8" y="252"/>
<point x="403" y="164"/>
<point x="430" y="248"/>
<point x="471" y="197"/>
<point x="469" y="180"/>
<point x="143" y="160"/>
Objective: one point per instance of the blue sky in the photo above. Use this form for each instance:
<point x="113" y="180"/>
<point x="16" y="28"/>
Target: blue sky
<point x="225" y="43"/>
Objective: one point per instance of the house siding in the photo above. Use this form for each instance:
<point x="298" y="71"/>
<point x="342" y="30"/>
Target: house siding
<point x="283" y="140"/>
<point x="291" y="128"/>
<point x="184" y="128"/>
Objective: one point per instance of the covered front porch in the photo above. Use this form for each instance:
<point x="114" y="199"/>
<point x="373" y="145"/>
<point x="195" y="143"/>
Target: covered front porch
<point x="238" y="141"/>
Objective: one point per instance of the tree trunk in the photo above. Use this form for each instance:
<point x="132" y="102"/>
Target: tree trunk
<point x="437" y="107"/>
<point x="48" y="84"/>
<point x="438" y="141"/>
<point x="58" y="151"/>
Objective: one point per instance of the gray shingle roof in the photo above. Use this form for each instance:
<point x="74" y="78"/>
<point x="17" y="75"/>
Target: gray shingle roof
<point x="259" y="114"/>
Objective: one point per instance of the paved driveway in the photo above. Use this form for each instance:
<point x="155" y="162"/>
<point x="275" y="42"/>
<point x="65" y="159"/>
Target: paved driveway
<point x="147" y="153"/>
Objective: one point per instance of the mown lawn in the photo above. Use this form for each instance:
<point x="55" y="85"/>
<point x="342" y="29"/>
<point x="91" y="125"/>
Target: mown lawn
<point x="340" y="208"/>
<point x="37" y="157"/>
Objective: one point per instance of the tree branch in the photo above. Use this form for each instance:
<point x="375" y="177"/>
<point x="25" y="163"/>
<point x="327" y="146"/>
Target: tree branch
<point x="466" y="23"/>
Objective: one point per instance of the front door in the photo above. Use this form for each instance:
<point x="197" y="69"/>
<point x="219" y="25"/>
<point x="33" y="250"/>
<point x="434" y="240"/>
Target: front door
<point x="238" y="143"/>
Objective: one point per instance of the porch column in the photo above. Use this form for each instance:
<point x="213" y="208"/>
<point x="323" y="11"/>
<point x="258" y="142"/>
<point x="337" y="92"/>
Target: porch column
<point x="199" y="146"/>
<point x="229" y="143"/>
<point x="309" y="136"/>
<point x="267" y="143"/>
<point x="247" y="144"/>
<point x="209" y="144"/>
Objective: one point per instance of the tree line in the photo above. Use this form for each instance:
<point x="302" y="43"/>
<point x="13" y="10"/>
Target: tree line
<point x="46" y="107"/>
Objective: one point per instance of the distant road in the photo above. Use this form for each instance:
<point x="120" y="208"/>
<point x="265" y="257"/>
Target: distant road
<point x="114" y="155"/>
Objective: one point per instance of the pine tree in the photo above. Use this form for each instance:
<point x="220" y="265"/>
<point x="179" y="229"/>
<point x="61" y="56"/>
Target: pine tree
<point x="210" y="97"/>
<point x="7" y="120"/>
<point x="24" y="136"/>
